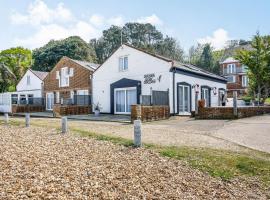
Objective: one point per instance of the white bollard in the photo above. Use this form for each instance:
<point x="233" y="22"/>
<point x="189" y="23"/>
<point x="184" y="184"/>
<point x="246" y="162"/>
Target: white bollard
<point x="137" y="133"/>
<point x="27" y="119"/>
<point x="64" y="125"/>
<point x="6" y="118"/>
<point x="235" y="103"/>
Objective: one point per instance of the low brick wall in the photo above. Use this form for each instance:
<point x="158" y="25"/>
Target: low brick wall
<point x="27" y="108"/>
<point x="149" y="113"/>
<point x="63" y="110"/>
<point x="227" y="112"/>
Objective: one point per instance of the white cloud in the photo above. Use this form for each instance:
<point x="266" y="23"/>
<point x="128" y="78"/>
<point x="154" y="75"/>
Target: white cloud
<point x="153" y="19"/>
<point x="218" y="39"/>
<point x="48" y="23"/>
<point x="117" y="21"/>
<point x="97" y="20"/>
<point x="56" y="32"/>
<point x="38" y="13"/>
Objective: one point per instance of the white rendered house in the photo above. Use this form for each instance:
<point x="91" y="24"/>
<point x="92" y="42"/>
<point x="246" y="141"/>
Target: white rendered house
<point x="30" y="87"/>
<point x="130" y="73"/>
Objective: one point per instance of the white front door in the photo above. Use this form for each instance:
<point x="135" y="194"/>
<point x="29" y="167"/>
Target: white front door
<point x="184" y="99"/>
<point x="49" y="101"/>
<point x="123" y="99"/>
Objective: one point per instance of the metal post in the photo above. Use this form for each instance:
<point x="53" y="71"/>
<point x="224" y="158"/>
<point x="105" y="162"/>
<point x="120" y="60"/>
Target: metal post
<point x="196" y="104"/>
<point x="6" y="118"/>
<point x="235" y="103"/>
<point x="137" y="133"/>
<point x="27" y="119"/>
<point x="64" y="125"/>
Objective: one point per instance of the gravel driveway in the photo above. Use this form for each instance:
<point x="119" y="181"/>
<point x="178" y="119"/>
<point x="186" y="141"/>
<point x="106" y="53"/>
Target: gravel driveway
<point x="39" y="163"/>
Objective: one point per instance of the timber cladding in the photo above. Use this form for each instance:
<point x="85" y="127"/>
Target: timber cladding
<point x="79" y="80"/>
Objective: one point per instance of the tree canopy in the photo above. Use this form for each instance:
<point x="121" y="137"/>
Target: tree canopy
<point x="74" y="47"/>
<point x="13" y="64"/>
<point x="258" y="62"/>
<point x="144" y="36"/>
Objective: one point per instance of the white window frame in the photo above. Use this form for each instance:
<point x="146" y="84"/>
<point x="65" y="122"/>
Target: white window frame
<point x="64" y="77"/>
<point x="125" y="89"/>
<point x="244" y="81"/>
<point x="183" y="97"/>
<point x="28" y="81"/>
<point x="231" y="68"/>
<point x="57" y="98"/>
<point x="234" y="79"/>
<point x="121" y="63"/>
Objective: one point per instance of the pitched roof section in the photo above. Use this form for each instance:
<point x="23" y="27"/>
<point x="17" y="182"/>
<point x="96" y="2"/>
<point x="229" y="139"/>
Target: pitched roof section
<point x="182" y="66"/>
<point x="87" y="65"/>
<point x="229" y="60"/>
<point x="41" y="75"/>
<point x="197" y="70"/>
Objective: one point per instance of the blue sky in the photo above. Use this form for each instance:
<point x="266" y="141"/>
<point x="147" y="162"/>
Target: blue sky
<point x="32" y="23"/>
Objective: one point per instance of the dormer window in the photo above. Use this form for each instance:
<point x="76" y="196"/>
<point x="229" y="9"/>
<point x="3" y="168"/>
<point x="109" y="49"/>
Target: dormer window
<point x="123" y="63"/>
<point x="231" y="68"/>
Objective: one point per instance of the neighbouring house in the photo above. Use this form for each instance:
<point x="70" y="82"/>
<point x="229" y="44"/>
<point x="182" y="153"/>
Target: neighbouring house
<point x="29" y="91"/>
<point x="236" y="74"/>
<point x="68" y="87"/>
<point x="133" y="76"/>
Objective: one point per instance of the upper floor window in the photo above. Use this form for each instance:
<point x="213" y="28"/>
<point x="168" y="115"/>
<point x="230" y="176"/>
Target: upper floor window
<point x="123" y="63"/>
<point x="231" y="79"/>
<point x="244" y="81"/>
<point x="231" y="68"/>
<point x="28" y="80"/>
<point x="64" y="77"/>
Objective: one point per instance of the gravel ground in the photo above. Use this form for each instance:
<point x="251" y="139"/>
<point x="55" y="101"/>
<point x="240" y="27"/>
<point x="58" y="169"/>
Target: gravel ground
<point x="40" y="163"/>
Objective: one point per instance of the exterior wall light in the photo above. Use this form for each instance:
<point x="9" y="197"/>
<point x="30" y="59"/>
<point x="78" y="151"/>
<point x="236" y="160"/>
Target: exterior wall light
<point x="214" y="90"/>
<point x="196" y="87"/>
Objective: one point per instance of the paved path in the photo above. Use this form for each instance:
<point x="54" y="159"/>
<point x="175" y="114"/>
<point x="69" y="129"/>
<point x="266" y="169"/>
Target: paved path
<point x="253" y="132"/>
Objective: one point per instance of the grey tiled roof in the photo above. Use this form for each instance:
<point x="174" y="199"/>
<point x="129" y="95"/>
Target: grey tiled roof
<point x="197" y="70"/>
<point x="88" y="65"/>
<point x="41" y="75"/>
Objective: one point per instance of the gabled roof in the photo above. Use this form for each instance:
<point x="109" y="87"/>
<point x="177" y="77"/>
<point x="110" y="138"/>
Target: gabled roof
<point x="229" y="60"/>
<point x="41" y="75"/>
<point x="85" y="64"/>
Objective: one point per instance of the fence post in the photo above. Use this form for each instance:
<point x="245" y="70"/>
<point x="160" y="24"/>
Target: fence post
<point x="6" y="118"/>
<point x="64" y="125"/>
<point x="235" y="103"/>
<point x="27" y="119"/>
<point x="196" y="104"/>
<point x="137" y="133"/>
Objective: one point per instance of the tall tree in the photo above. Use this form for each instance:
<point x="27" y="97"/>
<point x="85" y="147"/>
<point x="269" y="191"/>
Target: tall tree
<point x="258" y="62"/>
<point x="74" y="47"/>
<point x="144" y="36"/>
<point x="17" y="60"/>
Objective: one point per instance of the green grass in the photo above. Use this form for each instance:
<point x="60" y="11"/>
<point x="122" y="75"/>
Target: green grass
<point x="267" y="100"/>
<point x="113" y="139"/>
<point x="221" y="163"/>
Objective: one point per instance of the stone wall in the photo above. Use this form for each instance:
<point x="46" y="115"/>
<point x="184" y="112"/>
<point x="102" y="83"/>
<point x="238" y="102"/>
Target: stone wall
<point x="227" y="112"/>
<point x="149" y="113"/>
<point x="63" y="110"/>
<point x="27" y="108"/>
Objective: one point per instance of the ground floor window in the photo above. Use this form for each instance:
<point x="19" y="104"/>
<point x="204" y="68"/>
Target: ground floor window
<point x="124" y="98"/>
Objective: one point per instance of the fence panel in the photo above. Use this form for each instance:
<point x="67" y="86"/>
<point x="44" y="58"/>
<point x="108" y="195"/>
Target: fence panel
<point x="146" y="100"/>
<point x="160" y="98"/>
